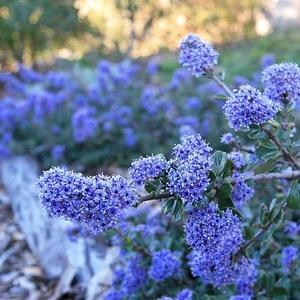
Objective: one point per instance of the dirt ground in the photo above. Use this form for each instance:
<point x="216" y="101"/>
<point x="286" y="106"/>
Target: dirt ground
<point x="21" y="277"/>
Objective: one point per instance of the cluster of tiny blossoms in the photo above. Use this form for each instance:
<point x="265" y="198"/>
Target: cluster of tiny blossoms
<point x="147" y="168"/>
<point x="241" y="192"/>
<point x="95" y="202"/>
<point x="248" y="106"/>
<point x="227" y="138"/>
<point x="198" y="56"/>
<point x="165" y="264"/>
<point x="214" y="237"/>
<point x="189" y="179"/>
<point x="237" y="159"/>
<point x="282" y="82"/>
<point x="187" y="173"/>
<point x="129" y="279"/>
<point x="288" y="259"/>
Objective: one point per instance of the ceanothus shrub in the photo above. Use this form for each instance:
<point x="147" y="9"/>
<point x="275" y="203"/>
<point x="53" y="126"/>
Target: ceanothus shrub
<point x="225" y="234"/>
<point x="79" y="119"/>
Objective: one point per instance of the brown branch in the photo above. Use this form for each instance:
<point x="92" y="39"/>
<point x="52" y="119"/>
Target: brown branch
<point x="153" y="197"/>
<point x="285" y="153"/>
<point x="279" y="175"/>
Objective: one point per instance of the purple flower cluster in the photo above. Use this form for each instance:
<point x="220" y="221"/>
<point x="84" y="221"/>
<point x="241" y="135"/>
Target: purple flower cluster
<point x="288" y="258"/>
<point x="240" y="297"/>
<point x="129" y="279"/>
<point x="292" y="229"/>
<point x="57" y="152"/>
<point x="248" y="107"/>
<point x="237" y="159"/>
<point x="267" y="60"/>
<point x="147" y="168"/>
<point x="185" y="294"/>
<point x="189" y="145"/>
<point x="214" y="238"/>
<point x="165" y="264"/>
<point x="197" y="55"/>
<point x="241" y="192"/>
<point x="246" y="278"/>
<point x="193" y="162"/>
<point x="95" y="202"/>
<point x="135" y="275"/>
<point x="282" y="82"/>
<point x="84" y="124"/>
<point x="228" y="139"/>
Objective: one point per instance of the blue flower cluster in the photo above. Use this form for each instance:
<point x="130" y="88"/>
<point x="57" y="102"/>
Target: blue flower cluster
<point x="185" y="294"/>
<point x="116" y="106"/>
<point x="95" y="202"/>
<point x="214" y="238"/>
<point x="197" y="55"/>
<point x="248" y="107"/>
<point x="165" y="264"/>
<point x="247" y="277"/>
<point x="189" y="145"/>
<point x="146" y="168"/>
<point x="228" y="139"/>
<point x="282" y="82"/>
<point x="237" y="159"/>
<point x="129" y="279"/>
<point x="84" y="124"/>
<point x="189" y="179"/>
<point x="292" y="229"/>
<point x="147" y="232"/>
<point x="241" y="192"/>
<point x="288" y="259"/>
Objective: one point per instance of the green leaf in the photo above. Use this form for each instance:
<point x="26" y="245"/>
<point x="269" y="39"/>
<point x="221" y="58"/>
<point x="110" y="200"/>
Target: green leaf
<point x="248" y="233"/>
<point x="279" y="291"/>
<point x="293" y="199"/>
<point x="274" y="123"/>
<point x="266" y="242"/>
<point x="296" y="144"/>
<point x="219" y="159"/>
<point x="266" y="150"/>
<point x="150" y="187"/>
<point x="256" y="133"/>
<point x="265" y="167"/>
<point x="173" y="207"/>
<point x="224" y="196"/>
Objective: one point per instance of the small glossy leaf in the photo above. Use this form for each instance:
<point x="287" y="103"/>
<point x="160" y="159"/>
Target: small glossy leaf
<point x="220" y="159"/>
<point x="293" y="199"/>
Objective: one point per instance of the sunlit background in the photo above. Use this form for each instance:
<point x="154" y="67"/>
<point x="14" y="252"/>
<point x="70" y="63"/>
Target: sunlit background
<point x="39" y="32"/>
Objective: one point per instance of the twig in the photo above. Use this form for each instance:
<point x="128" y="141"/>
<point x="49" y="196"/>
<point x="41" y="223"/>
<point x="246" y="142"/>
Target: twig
<point x="223" y="85"/>
<point x="279" y="175"/>
<point x="286" y="154"/>
<point x="154" y="197"/>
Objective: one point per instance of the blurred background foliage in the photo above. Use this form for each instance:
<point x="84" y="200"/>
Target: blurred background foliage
<point x="40" y="32"/>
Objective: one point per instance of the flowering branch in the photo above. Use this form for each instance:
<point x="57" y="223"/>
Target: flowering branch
<point x="241" y="148"/>
<point x="258" y="177"/>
